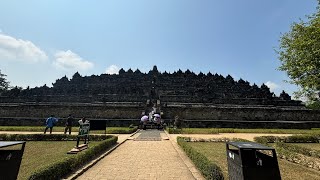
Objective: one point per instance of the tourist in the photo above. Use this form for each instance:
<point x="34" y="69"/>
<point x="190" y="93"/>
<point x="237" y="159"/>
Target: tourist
<point x="157" y="120"/>
<point x="50" y="122"/>
<point x="83" y="120"/>
<point x="68" y="124"/>
<point x="144" y="121"/>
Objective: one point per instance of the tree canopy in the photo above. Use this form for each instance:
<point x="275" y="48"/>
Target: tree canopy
<point x="4" y="84"/>
<point x="299" y="53"/>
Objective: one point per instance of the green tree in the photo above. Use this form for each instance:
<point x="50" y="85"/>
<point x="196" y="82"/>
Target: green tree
<point x="4" y="84"/>
<point x="299" y="53"/>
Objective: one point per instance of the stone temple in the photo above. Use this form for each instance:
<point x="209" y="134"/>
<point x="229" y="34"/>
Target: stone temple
<point x="201" y="100"/>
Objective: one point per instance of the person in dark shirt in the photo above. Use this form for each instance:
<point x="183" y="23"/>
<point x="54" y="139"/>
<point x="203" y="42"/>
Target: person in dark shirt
<point x="68" y="124"/>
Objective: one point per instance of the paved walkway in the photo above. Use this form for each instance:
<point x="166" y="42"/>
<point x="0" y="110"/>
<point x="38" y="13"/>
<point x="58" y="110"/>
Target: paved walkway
<point x="149" y="154"/>
<point x="142" y="159"/>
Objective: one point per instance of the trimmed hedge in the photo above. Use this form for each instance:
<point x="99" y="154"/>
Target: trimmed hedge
<point x="207" y="168"/>
<point x="129" y="130"/>
<point x="299" y="149"/>
<point x="191" y="139"/>
<point x="302" y="139"/>
<point x="289" y="139"/>
<point x="61" y="168"/>
<point x="293" y="153"/>
<point x="48" y="137"/>
<point x="297" y="157"/>
<point x="267" y="139"/>
<point x="236" y="130"/>
<point x="110" y="130"/>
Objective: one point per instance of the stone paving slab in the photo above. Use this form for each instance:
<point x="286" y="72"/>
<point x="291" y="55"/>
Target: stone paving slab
<point x="149" y="135"/>
<point x="141" y="160"/>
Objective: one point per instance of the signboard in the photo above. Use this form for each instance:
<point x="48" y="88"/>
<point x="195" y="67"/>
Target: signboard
<point x="84" y="129"/>
<point x="10" y="159"/>
<point x="98" y="125"/>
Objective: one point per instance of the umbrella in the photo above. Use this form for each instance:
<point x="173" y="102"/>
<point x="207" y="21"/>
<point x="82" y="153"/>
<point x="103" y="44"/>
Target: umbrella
<point x="157" y="115"/>
<point x="145" y="118"/>
<point x="156" y="119"/>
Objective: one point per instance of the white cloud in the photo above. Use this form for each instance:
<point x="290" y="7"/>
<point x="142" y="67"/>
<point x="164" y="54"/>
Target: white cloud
<point x="20" y="50"/>
<point x="273" y="86"/>
<point x="113" y="69"/>
<point x="68" y="60"/>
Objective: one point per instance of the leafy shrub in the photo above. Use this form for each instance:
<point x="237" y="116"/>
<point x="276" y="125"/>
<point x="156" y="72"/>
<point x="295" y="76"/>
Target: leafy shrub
<point x="61" y="168"/>
<point x="178" y="122"/>
<point x="314" y="105"/>
<point x="207" y="168"/>
<point x="174" y="131"/>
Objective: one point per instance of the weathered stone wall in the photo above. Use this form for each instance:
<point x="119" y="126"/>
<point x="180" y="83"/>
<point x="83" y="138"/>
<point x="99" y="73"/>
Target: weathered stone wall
<point x="74" y="98"/>
<point x="252" y="124"/>
<point x="240" y="113"/>
<point x="62" y="120"/>
<point x="195" y="115"/>
<point x="234" y="101"/>
<point x="103" y="111"/>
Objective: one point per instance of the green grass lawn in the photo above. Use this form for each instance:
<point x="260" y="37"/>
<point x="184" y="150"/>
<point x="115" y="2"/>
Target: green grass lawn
<point x="233" y="130"/>
<point x="110" y="130"/>
<point x="35" y="128"/>
<point x="41" y="153"/>
<point x="216" y="152"/>
<point x="314" y="146"/>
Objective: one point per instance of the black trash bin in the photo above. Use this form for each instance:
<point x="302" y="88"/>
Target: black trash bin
<point x="10" y="158"/>
<point x="251" y="161"/>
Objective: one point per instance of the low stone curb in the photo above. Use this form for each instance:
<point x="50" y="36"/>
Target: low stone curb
<point x="95" y="161"/>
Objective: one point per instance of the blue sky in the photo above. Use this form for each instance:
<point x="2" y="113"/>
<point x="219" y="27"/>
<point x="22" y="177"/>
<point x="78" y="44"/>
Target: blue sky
<point x="41" y="41"/>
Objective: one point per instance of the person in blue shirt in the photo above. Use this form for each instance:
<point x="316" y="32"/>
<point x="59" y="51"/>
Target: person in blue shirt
<point x="50" y="122"/>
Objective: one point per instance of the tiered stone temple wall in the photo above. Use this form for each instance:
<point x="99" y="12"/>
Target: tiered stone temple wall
<point x="195" y="115"/>
<point x="118" y="114"/>
<point x="239" y="116"/>
<point x="209" y="100"/>
<point x="186" y="87"/>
